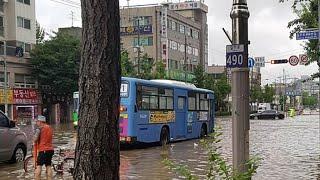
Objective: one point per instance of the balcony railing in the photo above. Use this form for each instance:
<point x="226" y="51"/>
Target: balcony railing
<point x="12" y="51"/>
<point x="24" y="85"/>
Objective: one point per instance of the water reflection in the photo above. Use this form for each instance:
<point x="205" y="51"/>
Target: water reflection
<point x="289" y="148"/>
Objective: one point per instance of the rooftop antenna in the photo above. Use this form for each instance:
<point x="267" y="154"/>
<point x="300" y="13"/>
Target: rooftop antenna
<point x="72" y="18"/>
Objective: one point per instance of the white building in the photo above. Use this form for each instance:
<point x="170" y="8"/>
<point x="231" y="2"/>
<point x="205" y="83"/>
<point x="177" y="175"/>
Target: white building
<point x="18" y="33"/>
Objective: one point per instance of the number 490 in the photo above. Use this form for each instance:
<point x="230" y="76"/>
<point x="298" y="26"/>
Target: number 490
<point x="235" y="60"/>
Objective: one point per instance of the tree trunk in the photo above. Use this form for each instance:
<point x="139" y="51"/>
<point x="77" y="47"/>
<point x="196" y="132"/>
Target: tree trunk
<point x="97" y="149"/>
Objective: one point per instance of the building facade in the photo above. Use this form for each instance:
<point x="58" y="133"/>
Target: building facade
<point x="17" y="37"/>
<point x="174" y="33"/>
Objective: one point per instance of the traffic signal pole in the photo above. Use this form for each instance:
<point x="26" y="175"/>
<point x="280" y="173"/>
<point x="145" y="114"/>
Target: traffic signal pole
<point x="240" y="88"/>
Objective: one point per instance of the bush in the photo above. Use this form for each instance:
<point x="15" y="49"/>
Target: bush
<point x="218" y="168"/>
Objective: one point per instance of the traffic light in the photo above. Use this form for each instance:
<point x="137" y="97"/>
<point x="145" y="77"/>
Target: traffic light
<point x="279" y="61"/>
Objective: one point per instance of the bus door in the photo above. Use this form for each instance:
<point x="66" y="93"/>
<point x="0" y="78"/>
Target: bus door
<point x="181" y="114"/>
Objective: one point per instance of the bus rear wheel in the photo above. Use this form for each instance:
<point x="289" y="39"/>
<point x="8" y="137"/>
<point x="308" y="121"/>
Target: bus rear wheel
<point x="164" y="136"/>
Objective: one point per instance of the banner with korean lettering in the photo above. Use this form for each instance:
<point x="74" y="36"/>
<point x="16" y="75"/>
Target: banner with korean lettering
<point x="9" y="96"/>
<point x="25" y="96"/>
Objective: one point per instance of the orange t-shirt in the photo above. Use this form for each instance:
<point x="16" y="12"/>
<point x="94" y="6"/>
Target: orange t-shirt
<point x="45" y="139"/>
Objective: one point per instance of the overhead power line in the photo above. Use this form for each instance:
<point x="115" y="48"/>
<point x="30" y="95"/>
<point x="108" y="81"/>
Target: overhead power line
<point x="67" y="4"/>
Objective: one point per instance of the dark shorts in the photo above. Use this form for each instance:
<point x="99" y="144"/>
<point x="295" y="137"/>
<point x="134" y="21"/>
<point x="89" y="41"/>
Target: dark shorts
<point x="44" y="158"/>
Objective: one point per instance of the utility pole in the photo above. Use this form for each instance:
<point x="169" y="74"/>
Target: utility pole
<point x="138" y="18"/>
<point x="284" y="95"/>
<point x="240" y="88"/>
<point x="185" y="58"/>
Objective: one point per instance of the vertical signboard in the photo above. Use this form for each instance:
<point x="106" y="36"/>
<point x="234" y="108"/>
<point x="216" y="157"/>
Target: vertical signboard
<point x="164" y="36"/>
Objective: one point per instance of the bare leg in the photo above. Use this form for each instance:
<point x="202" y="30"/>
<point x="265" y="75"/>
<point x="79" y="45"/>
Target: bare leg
<point x="49" y="172"/>
<point x="37" y="173"/>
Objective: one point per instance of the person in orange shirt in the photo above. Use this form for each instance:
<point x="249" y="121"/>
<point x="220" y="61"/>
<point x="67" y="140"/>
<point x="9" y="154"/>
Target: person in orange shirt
<point x="43" y="141"/>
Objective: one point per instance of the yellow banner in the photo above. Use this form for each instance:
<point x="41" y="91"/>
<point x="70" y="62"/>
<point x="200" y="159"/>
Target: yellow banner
<point x="162" y="116"/>
<point x="9" y="96"/>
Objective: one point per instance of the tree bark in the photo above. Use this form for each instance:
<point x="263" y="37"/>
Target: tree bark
<point x="97" y="149"/>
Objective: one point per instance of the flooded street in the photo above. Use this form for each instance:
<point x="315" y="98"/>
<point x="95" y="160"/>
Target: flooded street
<point x="289" y="148"/>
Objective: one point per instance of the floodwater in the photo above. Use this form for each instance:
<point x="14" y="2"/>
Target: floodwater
<point x="289" y="148"/>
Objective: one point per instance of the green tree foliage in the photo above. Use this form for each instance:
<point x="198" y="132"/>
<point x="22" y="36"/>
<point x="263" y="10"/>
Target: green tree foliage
<point x="127" y="67"/>
<point x="268" y="94"/>
<point x="200" y="77"/>
<point x="221" y="89"/>
<point x="307" y="18"/>
<point x="56" y="65"/>
<point x="39" y="33"/>
<point x="308" y="100"/>
<point x="220" y="86"/>
<point x="282" y="101"/>
<point x="256" y="94"/>
<point x="160" y="72"/>
<point x="146" y="67"/>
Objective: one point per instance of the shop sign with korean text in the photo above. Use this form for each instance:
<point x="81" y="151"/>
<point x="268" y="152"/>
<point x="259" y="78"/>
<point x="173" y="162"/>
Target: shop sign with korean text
<point x="25" y="96"/>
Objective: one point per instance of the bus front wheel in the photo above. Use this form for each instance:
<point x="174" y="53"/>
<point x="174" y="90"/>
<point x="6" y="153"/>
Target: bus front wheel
<point x="164" y="136"/>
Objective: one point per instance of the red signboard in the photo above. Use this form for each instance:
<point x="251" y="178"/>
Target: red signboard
<point x="25" y="96"/>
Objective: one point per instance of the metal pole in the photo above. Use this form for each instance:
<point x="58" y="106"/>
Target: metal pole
<point x="185" y="58"/>
<point x="240" y="88"/>
<point x="284" y="94"/>
<point x="139" y="46"/>
<point x="5" y="79"/>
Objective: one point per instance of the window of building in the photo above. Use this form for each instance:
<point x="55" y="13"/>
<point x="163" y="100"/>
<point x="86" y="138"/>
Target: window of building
<point x="26" y="24"/>
<point x="181" y="47"/>
<point x="142" y="20"/>
<point x="196" y="34"/>
<point x="1" y="26"/>
<point x="24" y="1"/>
<point x="20" y="21"/>
<point x="24" y="81"/>
<point x="189" y="50"/>
<point x="174" y="26"/>
<point x="23" y="23"/>
<point x="173" y="45"/>
<point x="169" y="24"/>
<point x="182" y="29"/>
<point x="188" y="31"/>
<point x="195" y="52"/>
<point x="26" y="46"/>
<point x="144" y="41"/>
<point x="2" y="79"/>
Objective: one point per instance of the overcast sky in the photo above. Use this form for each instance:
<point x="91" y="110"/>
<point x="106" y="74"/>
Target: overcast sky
<point x="268" y="32"/>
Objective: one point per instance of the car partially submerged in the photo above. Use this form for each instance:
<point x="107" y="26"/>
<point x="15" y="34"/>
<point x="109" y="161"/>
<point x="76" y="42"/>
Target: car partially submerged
<point x="13" y="142"/>
<point x="268" y="114"/>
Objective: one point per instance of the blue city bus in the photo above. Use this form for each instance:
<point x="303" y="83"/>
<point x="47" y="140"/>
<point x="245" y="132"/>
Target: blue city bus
<point x="163" y="111"/>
